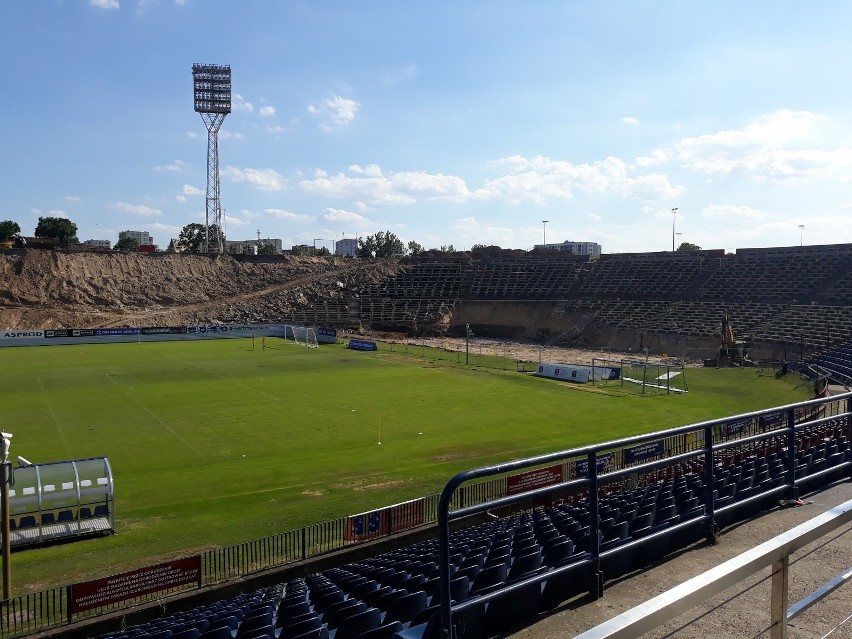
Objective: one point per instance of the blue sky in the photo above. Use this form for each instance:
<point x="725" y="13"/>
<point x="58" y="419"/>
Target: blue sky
<point x="458" y="122"/>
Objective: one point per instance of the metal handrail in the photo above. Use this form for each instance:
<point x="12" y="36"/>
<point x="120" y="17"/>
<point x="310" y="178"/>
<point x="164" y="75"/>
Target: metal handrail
<point x="787" y="429"/>
<point x="776" y="552"/>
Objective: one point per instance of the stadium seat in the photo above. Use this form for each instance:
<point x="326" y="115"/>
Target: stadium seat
<point x="385" y="631"/>
<point x="305" y="624"/>
<point x="353" y="625"/>
<point x="405" y="608"/>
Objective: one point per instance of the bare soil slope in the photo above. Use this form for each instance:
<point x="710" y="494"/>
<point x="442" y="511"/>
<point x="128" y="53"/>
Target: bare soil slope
<point x="52" y="289"/>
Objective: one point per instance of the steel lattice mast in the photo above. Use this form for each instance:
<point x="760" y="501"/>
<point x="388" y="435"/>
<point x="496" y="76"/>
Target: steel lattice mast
<point x="212" y="84"/>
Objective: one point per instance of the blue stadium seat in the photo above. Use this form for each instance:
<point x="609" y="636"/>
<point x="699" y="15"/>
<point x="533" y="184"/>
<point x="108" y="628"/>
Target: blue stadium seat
<point x="405" y="608"/>
<point x="353" y="625"/>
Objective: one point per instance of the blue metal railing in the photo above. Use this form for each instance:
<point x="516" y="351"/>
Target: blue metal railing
<point x="779" y="422"/>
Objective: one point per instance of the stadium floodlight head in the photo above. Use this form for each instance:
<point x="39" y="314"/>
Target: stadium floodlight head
<point x="212" y="83"/>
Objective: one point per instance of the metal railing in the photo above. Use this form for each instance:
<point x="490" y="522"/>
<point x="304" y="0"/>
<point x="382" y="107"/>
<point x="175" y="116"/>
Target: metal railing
<point x="775" y="552"/>
<point x="703" y="447"/>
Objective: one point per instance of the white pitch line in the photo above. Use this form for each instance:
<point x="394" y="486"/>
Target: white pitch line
<point x="155" y="417"/>
<point x="55" y="420"/>
<point x="235" y="383"/>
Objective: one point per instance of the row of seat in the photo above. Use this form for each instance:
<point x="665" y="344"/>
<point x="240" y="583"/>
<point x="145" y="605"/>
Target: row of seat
<point x="60" y="517"/>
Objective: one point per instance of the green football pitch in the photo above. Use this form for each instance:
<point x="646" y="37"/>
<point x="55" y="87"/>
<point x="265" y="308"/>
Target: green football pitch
<point x="214" y="443"/>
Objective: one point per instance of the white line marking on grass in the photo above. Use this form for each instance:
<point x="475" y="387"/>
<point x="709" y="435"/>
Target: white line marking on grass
<point x="55" y="420"/>
<point x="155" y="417"/>
<point x="235" y="383"/>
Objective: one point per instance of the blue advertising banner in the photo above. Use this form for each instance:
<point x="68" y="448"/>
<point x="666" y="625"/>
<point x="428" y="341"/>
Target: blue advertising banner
<point x="648" y="450"/>
<point x="362" y="345"/>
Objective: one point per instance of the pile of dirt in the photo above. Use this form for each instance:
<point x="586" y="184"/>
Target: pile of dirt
<point x="53" y="289"/>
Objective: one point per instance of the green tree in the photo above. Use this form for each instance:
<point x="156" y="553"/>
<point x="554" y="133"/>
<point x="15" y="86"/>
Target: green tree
<point x="685" y="247"/>
<point x="57" y="228"/>
<point x="8" y="228"/>
<point x="414" y="248"/>
<point x="266" y="248"/>
<point x="448" y="248"/>
<point x="191" y="238"/>
<point x="382" y="244"/>
<point x="126" y="244"/>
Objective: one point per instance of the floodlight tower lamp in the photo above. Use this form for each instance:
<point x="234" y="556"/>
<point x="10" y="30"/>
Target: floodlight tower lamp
<point x="212" y="91"/>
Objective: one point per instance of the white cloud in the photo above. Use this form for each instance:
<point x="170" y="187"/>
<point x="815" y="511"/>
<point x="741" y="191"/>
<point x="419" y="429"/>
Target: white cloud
<point x="540" y="179"/>
<point x="261" y="179"/>
<point x="104" y="4"/>
<point x="224" y="135"/>
<point x="138" y="209"/>
<point x="178" y="166"/>
<point x="339" y="216"/>
<point x="629" y="119"/>
<point x="472" y="231"/>
<point x="192" y="135"/>
<point x="238" y="103"/>
<point x="235" y="221"/>
<point x="191" y="190"/>
<point x="778" y="147"/>
<point x="733" y="211"/>
<point x="277" y="214"/>
<point x="369" y="184"/>
<point x="658" y="156"/>
<point x="57" y="213"/>
<point x="169" y="229"/>
<point x="402" y="74"/>
<point x="335" y="112"/>
<point x="72" y="198"/>
<point x="180" y="198"/>
<point x="267" y="112"/>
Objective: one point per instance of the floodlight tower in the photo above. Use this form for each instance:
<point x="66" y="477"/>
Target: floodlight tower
<point x="212" y="84"/>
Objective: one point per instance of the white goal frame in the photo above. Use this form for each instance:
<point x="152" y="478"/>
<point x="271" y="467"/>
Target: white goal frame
<point x="304" y="336"/>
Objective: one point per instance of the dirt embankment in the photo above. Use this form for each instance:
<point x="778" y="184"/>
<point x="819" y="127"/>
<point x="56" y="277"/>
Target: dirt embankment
<point x="47" y="289"/>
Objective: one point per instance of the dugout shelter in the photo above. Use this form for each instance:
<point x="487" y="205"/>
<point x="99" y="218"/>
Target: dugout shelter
<point x="63" y="499"/>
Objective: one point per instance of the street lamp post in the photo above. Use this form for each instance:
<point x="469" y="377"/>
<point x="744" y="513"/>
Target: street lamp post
<point x="544" y="233"/>
<point x="801" y="234"/>
<point x="674" y="218"/>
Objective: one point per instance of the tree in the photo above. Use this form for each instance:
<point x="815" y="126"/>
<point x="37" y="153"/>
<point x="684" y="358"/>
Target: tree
<point x="448" y="248"/>
<point x="8" y="228"/>
<point x="382" y="244"/>
<point x="127" y="244"/>
<point x="57" y="228"/>
<point x="414" y="248"/>
<point x="686" y="247"/>
<point x="266" y="248"/>
<point x="191" y="238"/>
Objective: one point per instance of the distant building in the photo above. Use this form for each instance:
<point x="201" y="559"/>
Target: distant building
<point x="251" y="247"/>
<point x="101" y="244"/>
<point x="142" y="237"/>
<point x="347" y="247"/>
<point x="577" y="248"/>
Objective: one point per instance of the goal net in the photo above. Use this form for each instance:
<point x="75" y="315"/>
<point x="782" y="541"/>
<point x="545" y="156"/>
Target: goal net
<point x="640" y="377"/>
<point x="304" y="336"/>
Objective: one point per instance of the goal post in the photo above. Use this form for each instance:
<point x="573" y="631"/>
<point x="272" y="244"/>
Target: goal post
<point x="304" y="336"/>
<point x="640" y="376"/>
